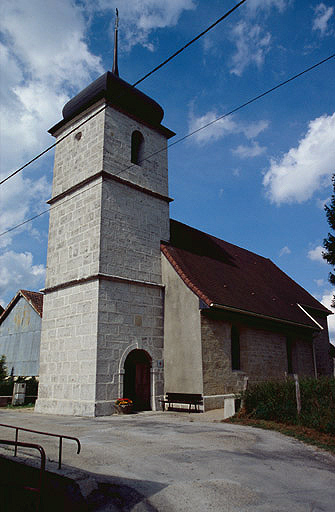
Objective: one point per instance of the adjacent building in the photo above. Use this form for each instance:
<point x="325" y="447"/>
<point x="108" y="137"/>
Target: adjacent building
<point x="20" y="333"/>
<point x="232" y="316"/>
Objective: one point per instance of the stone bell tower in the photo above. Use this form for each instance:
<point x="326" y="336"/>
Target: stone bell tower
<point x="102" y="329"/>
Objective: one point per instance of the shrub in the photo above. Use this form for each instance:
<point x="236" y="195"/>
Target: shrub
<point x="276" y="401"/>
<point x="7" y="385"/>
<point x="318" y="404"/>
<point x="3" y="368"/>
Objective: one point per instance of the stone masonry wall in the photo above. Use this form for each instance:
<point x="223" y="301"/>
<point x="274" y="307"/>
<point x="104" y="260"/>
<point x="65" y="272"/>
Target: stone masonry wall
<point x="263" y="354"/>
<point x="303" y="363"/>
<point x="69" y="351"/>
<point x="133" y="224"/>
<point x="130" y="317"/>
<point x="80" y="155"/>
<point x="218" y="376"/>
<point x="74" y="236"/>
<point x="103" y="227"/>
<point x="151" y="173"/>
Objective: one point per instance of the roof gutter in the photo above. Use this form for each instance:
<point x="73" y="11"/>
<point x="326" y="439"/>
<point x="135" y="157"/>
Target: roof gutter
<point x="265" y="317"/>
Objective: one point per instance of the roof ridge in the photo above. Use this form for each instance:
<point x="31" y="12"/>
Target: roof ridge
<point x="184" y="277"/>
<point x="217" y="238"/>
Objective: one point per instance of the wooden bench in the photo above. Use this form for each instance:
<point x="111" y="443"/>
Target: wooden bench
<point x="183" y="398"/>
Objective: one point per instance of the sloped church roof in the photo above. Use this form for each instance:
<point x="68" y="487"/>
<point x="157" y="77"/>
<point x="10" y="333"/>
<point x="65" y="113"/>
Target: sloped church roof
<point x="225" y="275"/>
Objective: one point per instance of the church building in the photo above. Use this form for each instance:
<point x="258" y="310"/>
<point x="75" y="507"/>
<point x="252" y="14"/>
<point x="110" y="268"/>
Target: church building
<point x="136" y="304"/>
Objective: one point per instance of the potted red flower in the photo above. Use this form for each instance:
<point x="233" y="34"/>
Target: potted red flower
<point x="124" y="405"/>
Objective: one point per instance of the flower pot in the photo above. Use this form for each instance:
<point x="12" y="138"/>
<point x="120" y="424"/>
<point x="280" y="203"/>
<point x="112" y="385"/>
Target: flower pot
<point x="125" y="409"/>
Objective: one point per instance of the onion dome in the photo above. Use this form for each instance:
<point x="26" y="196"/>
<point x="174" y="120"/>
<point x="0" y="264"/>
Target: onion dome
<point x="118" y="94"/>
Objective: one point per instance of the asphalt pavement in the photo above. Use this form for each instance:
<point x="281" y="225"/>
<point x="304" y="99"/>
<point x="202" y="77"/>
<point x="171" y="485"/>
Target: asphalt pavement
<point x="175" y="461"/>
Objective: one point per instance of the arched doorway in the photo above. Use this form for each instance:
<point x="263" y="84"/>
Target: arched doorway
<point x="137" y="384"/>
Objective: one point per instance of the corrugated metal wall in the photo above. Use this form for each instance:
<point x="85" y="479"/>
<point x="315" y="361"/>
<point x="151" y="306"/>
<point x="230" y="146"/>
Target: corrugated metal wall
<point x="20" y="337"/>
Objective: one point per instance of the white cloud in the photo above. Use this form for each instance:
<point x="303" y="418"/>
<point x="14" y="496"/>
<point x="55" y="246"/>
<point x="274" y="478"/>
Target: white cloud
<point x="43" y="56"/>
<point x="18" y="271"/>
<point x="266" y="4"/>
<point x="284" y="250"/>
<point x="214" y="131"/>
<point x="326" y="300"/>
<point x="252" y="130"/>
<point x="221" y="128"/>
<point x="316" y="254"/>
<point x="49" y="39"/>
<point x="21" y="198"/>
<point x="305" y="169"/>
<point x="319" y="282"/>
<point x="252" y="44"/>
<point x="44" y="59"/>
<point x="249" y="151"/>
<point x="322" y="17"/>
<point x="139" y="18"/>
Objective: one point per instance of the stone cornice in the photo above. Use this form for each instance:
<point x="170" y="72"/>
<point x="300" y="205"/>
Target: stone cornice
<point x="103" y="277"/>
<point x="111" y="177"/>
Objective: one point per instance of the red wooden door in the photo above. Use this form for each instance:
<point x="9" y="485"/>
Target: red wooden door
<point x="142" y="386"/>
<point x="137" y="385"/>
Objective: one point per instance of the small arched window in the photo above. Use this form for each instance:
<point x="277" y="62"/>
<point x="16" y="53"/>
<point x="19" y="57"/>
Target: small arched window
<point x="137" y="148"/>
<point x="235" y="348"/>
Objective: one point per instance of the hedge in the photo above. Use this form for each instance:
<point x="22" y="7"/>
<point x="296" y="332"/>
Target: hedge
<point x="276" y="401"/>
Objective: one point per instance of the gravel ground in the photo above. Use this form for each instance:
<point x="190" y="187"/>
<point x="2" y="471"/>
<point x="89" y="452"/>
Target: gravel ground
<point x="171" y="461"/>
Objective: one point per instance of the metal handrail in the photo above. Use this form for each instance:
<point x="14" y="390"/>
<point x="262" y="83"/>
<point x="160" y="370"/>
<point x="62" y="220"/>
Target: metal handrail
<point x="42" y="467"/>
<point x="60" y="436"/>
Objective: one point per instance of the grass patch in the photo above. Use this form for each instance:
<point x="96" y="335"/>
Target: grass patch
<point x="306" y="434"/>
<point x="272" y="405"/>
<point x="25" y="406"/>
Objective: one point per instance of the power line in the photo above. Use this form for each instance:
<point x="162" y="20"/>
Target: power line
<point x="254" y="99"/>
<point x="25" y="222"/>
<point x="52" y="146"/>
<point x="190" y="42"/>
<point x="46" y="211"/>
<point x="243" y="105"/>
<point x="236" y="109"/>
<point x="134" y="85"/>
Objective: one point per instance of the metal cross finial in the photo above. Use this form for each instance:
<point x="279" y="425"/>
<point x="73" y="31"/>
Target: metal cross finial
<point x="115" y="69"/>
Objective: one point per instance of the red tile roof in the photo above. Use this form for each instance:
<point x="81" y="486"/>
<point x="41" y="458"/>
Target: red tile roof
<point x="35" y="299"/>
<point x="223" y="274"/>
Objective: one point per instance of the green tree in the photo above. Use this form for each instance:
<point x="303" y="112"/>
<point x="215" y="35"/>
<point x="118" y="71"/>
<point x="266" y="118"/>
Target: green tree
<point x="3" y="368"/>
<point x="329" y="242"/>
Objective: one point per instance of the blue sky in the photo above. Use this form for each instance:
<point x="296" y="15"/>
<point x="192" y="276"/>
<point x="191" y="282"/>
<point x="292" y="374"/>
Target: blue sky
<point x="258" y="178"/>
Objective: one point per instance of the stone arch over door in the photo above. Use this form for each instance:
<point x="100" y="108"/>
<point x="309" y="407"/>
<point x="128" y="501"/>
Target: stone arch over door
<point x="137" y="379"/>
